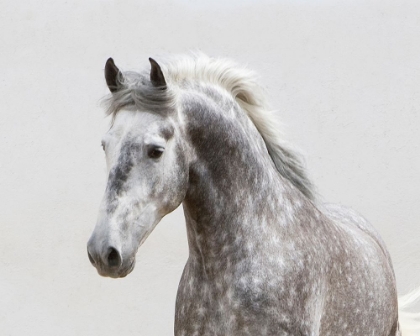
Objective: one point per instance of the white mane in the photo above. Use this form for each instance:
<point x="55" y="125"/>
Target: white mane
<point x="242" y="85"/>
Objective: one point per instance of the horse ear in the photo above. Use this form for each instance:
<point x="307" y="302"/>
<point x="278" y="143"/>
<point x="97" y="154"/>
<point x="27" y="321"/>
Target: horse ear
<point x="156" y="75"/>
<point x="111" y="75"/>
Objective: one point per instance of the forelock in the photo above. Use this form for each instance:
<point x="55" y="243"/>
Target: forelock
<point x="137" y="92"/>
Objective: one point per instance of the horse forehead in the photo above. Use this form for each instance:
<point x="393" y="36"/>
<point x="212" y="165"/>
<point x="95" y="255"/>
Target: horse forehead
<point x="132" y="124"/>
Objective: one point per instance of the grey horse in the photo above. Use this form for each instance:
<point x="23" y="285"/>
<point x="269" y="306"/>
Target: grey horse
<point x="265" y="257"/>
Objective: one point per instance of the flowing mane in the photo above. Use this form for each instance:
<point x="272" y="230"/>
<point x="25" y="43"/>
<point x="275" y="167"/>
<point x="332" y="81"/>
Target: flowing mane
<point x="239" y="82"/>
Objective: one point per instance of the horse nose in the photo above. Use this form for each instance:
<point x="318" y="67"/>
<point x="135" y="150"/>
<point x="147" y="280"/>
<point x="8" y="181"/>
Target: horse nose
<point x="113" y="258"/>
<point x="110" y="258"/>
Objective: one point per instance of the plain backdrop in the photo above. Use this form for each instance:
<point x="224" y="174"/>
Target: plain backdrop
<point x="343" y="76"/>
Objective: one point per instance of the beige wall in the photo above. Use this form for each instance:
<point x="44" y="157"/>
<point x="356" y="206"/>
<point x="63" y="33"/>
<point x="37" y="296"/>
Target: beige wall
<point x="344" y="76"/>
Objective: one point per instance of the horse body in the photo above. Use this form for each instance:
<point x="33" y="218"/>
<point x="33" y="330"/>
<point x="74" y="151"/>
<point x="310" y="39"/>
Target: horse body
<point x="264" y="257"/>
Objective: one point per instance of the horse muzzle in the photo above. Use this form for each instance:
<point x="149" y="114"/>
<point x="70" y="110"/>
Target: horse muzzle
<point x="109" y="261"/>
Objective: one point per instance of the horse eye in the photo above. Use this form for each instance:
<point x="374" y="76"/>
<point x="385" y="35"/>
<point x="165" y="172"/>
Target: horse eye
<point x="155" y="152"/>
<point x="103" y="145"/>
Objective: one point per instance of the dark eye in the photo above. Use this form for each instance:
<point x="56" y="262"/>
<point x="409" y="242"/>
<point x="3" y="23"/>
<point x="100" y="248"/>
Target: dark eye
<point x="155" y="152"/>
<point x="103" y="145"/>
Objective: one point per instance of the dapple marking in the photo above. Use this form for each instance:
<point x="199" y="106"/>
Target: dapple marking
<point x="265" y="256"/>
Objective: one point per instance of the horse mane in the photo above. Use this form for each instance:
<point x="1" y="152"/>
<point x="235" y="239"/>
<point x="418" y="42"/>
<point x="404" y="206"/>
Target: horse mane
<point x="241" y="84"/>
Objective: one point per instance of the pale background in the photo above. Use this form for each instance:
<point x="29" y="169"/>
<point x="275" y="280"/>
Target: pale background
<point x="343" y="75"/>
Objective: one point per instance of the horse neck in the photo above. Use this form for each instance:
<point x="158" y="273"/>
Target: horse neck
<point x="235" y="193"/>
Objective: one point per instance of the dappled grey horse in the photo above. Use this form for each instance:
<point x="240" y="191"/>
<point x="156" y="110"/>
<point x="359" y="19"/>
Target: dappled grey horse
<point x="265" y="258"/>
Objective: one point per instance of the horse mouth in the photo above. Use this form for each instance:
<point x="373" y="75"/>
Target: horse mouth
<point x="127" y="271"/>
<point x="119" y="273"/>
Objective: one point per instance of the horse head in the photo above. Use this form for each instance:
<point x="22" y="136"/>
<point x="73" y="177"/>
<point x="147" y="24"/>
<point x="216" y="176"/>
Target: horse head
<point x="147" y="168"/>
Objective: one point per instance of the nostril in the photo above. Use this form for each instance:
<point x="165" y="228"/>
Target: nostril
<point x="91" y="259"/>
<point x="113" y="258"/>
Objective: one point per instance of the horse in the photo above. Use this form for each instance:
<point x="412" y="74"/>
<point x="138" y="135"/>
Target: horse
<point x="266" y="257"/>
